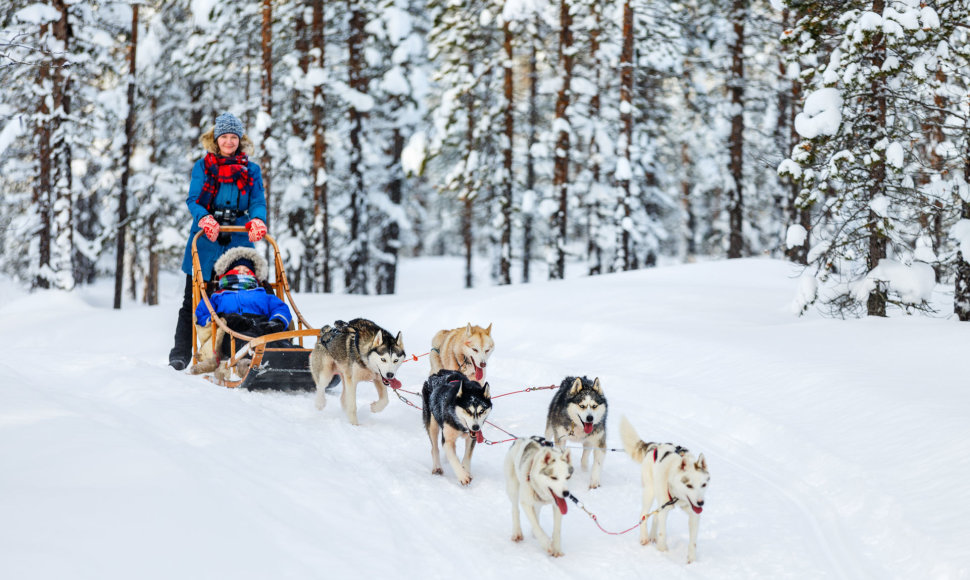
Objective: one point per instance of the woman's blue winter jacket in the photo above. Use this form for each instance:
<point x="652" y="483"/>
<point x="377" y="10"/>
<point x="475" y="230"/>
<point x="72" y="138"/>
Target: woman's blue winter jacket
<point x="255" y="301"/>
<point x="252" y="202"/>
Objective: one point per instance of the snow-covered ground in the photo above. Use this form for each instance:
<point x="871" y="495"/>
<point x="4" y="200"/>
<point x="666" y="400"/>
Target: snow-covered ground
<point x="838" y="449"/>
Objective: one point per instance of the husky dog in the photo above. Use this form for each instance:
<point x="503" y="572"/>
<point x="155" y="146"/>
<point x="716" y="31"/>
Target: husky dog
<point x="537" y="473"/>
<point x="577" y="413"/>
<point x="670" y="474"/>
<point x="465" y="349"/>
<point x="456" y="407"/>
<point x="355" y="351"/>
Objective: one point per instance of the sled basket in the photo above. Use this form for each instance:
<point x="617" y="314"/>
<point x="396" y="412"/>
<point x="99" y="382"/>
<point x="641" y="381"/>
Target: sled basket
<point x="276" y="365"/>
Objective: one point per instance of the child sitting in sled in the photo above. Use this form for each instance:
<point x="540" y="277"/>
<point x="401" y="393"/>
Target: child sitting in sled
<point x="243" y="304"/>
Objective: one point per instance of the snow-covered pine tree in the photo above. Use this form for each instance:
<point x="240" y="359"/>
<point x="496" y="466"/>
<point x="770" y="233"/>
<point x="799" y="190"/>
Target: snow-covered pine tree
<point x="856" y="124"/>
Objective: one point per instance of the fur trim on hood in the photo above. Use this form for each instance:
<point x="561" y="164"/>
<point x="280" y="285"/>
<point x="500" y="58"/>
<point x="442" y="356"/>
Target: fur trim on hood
<point x="233" y="254"/>
<point x="208" y="142"/>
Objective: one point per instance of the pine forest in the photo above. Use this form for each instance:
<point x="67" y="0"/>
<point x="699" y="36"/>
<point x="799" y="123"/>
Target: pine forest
<point x="534" y="136"/>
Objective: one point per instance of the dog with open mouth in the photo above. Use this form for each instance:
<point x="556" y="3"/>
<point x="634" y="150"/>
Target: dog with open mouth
<point x="465" y="349"/>
<point x="577" y="413"/>
<point x="672" y="477"/>
<point x="353" y="352"/>
<point x="537" y="473"/>
<point x="456" y="407"/>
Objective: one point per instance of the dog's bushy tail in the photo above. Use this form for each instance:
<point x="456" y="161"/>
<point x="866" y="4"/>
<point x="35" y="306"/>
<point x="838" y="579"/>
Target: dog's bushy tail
<point x="634" y="446"/>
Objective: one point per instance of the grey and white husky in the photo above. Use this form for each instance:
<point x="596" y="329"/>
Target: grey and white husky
<point x="537" y="473"/>
<point x="456" y="407"/>
<point x="577" y="413"/>
<point x="670" y="474"/>
<point x="356" y="351"/>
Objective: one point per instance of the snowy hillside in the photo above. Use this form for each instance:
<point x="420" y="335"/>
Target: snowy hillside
<point x="838" y="449"/>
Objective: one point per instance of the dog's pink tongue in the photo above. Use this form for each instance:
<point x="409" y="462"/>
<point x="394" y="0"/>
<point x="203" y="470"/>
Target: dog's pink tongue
<point x="479" y="437"/>
<point x="697" y="510"/>
<point x="588" y="428"/>
<point x="479" y="373"/>
<point x="395" y="384"/>
<point x="560" y="503"/>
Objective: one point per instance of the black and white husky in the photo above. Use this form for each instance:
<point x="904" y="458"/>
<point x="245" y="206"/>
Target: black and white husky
<point x="577" y="413"/>
<point x="456" y="407"/>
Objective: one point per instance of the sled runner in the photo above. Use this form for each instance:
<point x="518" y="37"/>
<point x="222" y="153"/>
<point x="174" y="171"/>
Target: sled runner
<point x="284" y="368"/>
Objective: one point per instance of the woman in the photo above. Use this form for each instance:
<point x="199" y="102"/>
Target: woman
<point x="226" y="189"/>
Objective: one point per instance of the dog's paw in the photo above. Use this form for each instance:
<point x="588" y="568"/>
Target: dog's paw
<point x="378" y="405"/>
<point x="594" y="484"/>
<point x="321" y="402"/>
<point x="437" y="471"/>
<point x="554" y="553"/>
<point x="464" y="478"/>
<point x="517" y="537"/>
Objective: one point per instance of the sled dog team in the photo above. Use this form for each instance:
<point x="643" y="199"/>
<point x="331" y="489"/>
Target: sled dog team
<point x="456" y="404"/>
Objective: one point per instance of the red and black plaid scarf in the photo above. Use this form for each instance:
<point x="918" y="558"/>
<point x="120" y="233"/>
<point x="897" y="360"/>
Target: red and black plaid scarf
<point x="232" y="169"/>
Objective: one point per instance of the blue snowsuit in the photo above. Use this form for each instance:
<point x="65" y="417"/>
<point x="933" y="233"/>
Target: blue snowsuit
<point x="255" y="301"/>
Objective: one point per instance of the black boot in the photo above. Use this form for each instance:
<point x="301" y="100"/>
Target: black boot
<point x="181" y="354"/>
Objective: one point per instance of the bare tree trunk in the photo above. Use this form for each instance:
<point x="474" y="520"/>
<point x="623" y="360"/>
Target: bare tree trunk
<point x="505" y="259"/>
<point x="126" y="161"/>
<point x="42" y="193"/>
<point x="876" y="304"/>
<point x="560" y="176"/>
<point x="390" y="238"/>
<point x="624" y="258"/>
<point x="467" y="198"/>
<point x="356" y="274"/>
<point x="736" y="87"/>
<point x="593" y="250"/>
<point x="321" y="207"/>
<point x="150" y="296"/>
<point x="530" y="168"/>
<point x="62" y="212"/>
<point x="266" y="161"/>
<point x="961" y="286"/>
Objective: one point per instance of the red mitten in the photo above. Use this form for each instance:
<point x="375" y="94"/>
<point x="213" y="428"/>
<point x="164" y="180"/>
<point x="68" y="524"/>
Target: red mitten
<point x="256" y="229"/>
<point x="210" y="226"/>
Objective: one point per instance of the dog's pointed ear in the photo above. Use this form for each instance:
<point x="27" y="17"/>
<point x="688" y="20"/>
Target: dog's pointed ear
<point x="547" y="457"/>
<point x="576" y="386"/>
<point x="488" y="396"/>
<point x="568" y="459"/>
<point x="701" y="464"/>
<point x="488" y="330"/>
<point x="461" y="385"/>
<point x="377" y="338"/>
<point x="596" y="386"/>
<point x="683" y="464"/>
<point x="399" y="341"/>
<point x="468" y="329"/>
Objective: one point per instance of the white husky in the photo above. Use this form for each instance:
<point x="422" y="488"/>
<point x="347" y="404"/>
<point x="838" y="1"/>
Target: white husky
<point x="671" y="476"/>
<point x="537" y="473"/>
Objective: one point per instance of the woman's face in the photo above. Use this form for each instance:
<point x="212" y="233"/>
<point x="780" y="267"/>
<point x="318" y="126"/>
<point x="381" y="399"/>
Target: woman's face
<point x="228" y="144"/>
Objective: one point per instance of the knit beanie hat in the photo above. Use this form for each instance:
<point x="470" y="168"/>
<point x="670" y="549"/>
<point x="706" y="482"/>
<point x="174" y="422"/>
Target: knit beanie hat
<point x="228" y="123"/>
